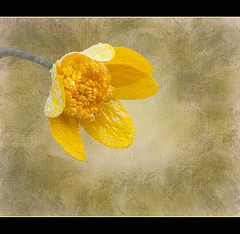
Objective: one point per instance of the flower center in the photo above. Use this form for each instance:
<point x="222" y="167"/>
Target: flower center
<point x="87" y="87"/>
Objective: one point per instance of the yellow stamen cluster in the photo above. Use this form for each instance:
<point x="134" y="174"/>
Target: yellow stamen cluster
<point x="87" y="87"/>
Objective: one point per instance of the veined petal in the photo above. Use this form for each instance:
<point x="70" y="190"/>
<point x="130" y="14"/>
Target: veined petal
<point x="66" y="132"/>
<point x="100" y="52"/>
<point x="113" y="128"/>
<point x="56" y="101"/>
<point x="131" y="83"/>
<point x="128" y="57"/>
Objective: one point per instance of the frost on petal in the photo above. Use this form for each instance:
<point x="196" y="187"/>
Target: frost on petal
<point x="56" y="101"/>
<point x="100" y="52"/>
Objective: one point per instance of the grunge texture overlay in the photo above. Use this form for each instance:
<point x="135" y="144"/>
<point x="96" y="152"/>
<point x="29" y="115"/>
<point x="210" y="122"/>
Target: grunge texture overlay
<point x="185" y="156"/>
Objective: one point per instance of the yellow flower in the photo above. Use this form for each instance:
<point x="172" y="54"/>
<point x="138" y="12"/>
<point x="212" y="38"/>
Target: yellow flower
<point x="85" y="90"/>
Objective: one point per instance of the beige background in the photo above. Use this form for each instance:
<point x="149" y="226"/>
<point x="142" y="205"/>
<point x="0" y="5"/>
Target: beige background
<point x="185" y="156"/>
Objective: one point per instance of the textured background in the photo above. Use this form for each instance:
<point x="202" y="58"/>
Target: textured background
<point x="185" y="156"/>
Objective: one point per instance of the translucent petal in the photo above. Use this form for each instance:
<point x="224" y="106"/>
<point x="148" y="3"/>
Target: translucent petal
<point x="128" y="57"/>
<point x="131" y="83"/>
<point x="130" y="75"/>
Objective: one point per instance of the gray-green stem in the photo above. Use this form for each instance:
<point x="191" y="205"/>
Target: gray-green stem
<point x="11" y="51"/>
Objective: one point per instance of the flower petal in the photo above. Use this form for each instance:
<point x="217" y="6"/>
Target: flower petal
<point x="66" y="132"/>
<point x="56" y="101"/>
<point x="100" y="52"/>
<point x="113" y="128"/>
<point x="128" y="57"/>
<point x="131" y="83"/>
<point x="66" y="58"/>
<point x="130" y="75"/>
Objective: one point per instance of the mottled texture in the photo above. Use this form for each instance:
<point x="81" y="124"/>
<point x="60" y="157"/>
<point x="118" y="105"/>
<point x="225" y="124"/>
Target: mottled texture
<point x="185" y="156"/>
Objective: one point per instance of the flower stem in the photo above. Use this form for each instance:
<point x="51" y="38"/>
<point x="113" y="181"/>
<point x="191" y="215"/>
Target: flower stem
<point x="11" y="51"/>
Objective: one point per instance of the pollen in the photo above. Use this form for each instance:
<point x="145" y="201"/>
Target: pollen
<point x="87" y="87"/>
